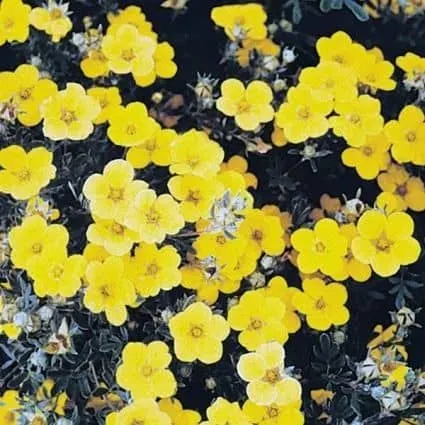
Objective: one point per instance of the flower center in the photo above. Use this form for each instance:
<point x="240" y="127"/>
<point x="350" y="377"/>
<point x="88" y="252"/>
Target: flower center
<point x="329" y="84"/>
<point x="147" y="370"/>
<point x="56" y="13"/>
<point x="320" y="247"/>
<point x="128" y="55"/>
<point x="193" y="196"/>
<point x="37" y="248"/>
<point x="272" y="375"/>
<point x="243" y="106"/>
<point x="104" y="291"/>
<point x="304" y="112"/>
<point x="57" y="272"/>
<point x="150" y="145"/>
<point x="196" y="331"/>
<point x="257" y="235"/>
<point x="116" y="194"/>
<point x="255" y="324"/>
<point x="152" y="269"/>
<point x="272" y="412"/>
<point x="152" y="216"/>
<point x="131" y="129"/>
<point x="220" y="239"/>
<point x="367" y="150"/>
<point x="354" y="119"/>
<point x="38" y="421"/>
<point x="117" y="229"/>
<point x="371" y="78"/>
<point x="24" y="175"/>
<point x="320" y="304"/>
<point x="401" y="190"/>
<point x="68" y="117"/>
<point x="411" y="136"/>
<point x="8" y="23"/>
<point x="339" y="59"/>
<point x="25" y="93"/>
<point x="137" y="422"/>
<point x="103" y="102"/>
<point x="383" y="244"/>
<point x="10" y="417"/>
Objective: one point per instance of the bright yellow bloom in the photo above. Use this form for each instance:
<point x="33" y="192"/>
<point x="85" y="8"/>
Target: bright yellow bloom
<point x="278" y="136"/>
<point x="322" y="248"/>
<point x="398" y="377"/>
<point x="69" y="114"/>
<point x="108" y="98"/>
<point x="375" y="72"/>
<point x="198" y="334"/>
<point x="26" y="91"/>
<point x="251" y="106"/>
<point x="111" y="193"/>
<point x="9" y="408"/>
<point x="224" y="412"/>
<point x="285" y="220"/>
<point x="385" y="242"/>
<point x="263" y="233"/>
<point x="52" y="19"/>
<point x="241" y="21"/>
<point x="131" y="15"/>
<point x="196" y="195"/>
<point x="322" y="304"/>
<point x="152" y="269"/>
<point x="113" y="236"/>
<point x="303" y="115"/>
<point x="14" y="21"/>
<point x="321" y="396"/>
<point x="259" y="318"/>
<point x="407" y="134"/>
<point x="409" y="191"/>
<point x="277" y="287"/>
<point x="109" y="290"/>
<point x="412" y="64"/>
<point x="179" y="416"/>
<point x="94" y="252"/>
<point x="24" y="174"/>
<point x="341" y="49"/>
<point x="56" y="273"/>
<point x="273" y="414"/>
<point x="240" y="165"/>
<point x="144" y="370"/>
<point x="154" y="217"/>
<point x="264" y="372"/>
<point x="240" y="260"/>
<point x="264" y="48"/>
<point x="11" y="331"/>
<point x="145" y="411"/>
<point x="164" y="66"/>
<point x="195" y="153"/>
<point x="356" y="270"/>
<point x="33" y="239"/>
<point x="95" y="64"/>
<point x="330" y="80"/>
<point x="370" y="158"/>
<point x="131" y="125"/>
<point x="128" y="51"/>
<point x="357" y="119"/>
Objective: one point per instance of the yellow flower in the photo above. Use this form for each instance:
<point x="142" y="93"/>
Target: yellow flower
<point x="9" y="408"/>
<point x="397" y="377"/>
<point x="407" y="134"/>
<point x="322" y="248"/>
<point x="94" y="252"/>
<point x="357" y="119"/>
<point x="33" y="239"/>
<point x="132" y="15"/>
<point x="322" y="304"/>
<point x="277" y="287"/>
<point x="131" y="125"/>
<point x="144" y="370"/>
<point x="264" y="372"/>
<point x="385" y="242"/>
<point x="108" y="98"/>
<point x="274" y="414"/>
<point x="278" y="136"/>
<point x="24" y="174"/>
<point x="303" y="115"/>
<point x="240" y="165"/>
<point x="341" y="49"/>
<point x="56" y="273"/>
<point x="69" y="114"/>
<point x="263" y="233"/>
<point x="240" y="260"/>
<point x="321" y="396"/>
<point x="370" y="158"/>
<point x="375" y="72"/>
<point x="179" y="416"/>
<point x="328" y="208"/>
<point x="113" y="236"/>
<point x="241" y="21"/>
<point x="195" y="153"/>
<point x="14" y="21"/>
<point x="259" y="318"/>
<point x="156" y="149"/>
<point x="37" y="205"/>
<point x="154" y="217"/>
<point x="128" y="51"/>
<point x="250" y="106"/>
<point x="330" y="80"/>
<point x="264" y="47"/>
<point x="408" y="191"/>
<point x="11" y="331"/>
<point x="52" y="19"/>
<point x="285" y="220"/>
<point x="152" y="269"/>
<point x="356" y="270"/>
<point x="164" y="66"/>
<point x="198" y="334"/>
<point x="145" y="411"/>
<point x="196" y="195"/>
<point x="412" y="64"/>
<point x="224" y="412"/>
<point x="95" y="64"/>
<point x="109" y="290"/>
<point x="26" y="91"/>
<point x="111" y="193"/>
